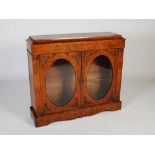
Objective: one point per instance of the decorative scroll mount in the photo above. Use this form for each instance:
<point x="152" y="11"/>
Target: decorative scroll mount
<point x="43" y="60"/>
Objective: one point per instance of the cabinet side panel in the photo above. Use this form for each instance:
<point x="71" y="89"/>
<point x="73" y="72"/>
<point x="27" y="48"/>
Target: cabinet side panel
<point x="31" y="79"/>
<point x="35" y="89"/>
<point x="119" y="73"/>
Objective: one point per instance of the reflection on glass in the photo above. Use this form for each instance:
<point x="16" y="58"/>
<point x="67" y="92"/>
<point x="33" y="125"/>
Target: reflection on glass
<point x="60" y="82"/>
<point x="99" y="77"/>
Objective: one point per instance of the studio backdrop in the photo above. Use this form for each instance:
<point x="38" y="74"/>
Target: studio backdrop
<point x="139" y="58"/>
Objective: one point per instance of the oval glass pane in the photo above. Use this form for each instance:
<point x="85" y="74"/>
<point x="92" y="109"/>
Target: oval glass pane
<point x="60" y="82"/>
<point x="99" y="77"/>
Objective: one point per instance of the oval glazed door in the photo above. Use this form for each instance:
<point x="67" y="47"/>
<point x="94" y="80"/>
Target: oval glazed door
<point x="60" y="76"/>
<point x="99" y="77"/>
<point x="99" y="72"/>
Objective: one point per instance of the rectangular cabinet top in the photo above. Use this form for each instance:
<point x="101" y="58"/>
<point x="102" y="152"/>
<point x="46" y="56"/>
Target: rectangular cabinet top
<point x="40" y="39"/>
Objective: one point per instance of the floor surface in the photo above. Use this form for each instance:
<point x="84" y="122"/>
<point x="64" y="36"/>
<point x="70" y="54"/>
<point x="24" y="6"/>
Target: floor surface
<point x="137" y="115"/>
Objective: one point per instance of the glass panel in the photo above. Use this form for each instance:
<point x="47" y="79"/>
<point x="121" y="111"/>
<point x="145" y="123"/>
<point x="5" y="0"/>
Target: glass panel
<point x="60" y="82"/>
<point x="99" y="77"/>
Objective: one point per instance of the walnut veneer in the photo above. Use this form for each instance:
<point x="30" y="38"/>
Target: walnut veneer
<point x="74" y="75"/>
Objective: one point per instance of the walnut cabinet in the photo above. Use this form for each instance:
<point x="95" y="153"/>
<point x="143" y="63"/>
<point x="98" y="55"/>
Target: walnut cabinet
<point x="74" y="75"/>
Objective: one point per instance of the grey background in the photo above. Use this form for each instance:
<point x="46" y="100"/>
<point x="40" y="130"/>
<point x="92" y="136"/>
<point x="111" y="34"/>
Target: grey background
<point x="138" y="88"/>
<point x="139" y="51"/>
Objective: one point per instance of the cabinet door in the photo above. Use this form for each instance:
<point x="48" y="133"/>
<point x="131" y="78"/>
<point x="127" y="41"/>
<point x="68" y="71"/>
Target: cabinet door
<point x="60" y="74"/>
<point x="99" y="76"/>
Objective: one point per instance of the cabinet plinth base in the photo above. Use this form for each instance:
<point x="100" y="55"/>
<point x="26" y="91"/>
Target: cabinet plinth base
<point x="68" y="115"/>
